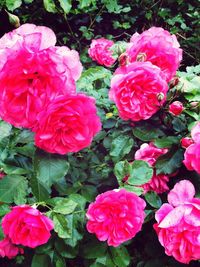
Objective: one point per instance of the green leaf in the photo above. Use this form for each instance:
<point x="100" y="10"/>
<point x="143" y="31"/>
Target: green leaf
<point x="49" y="169"/>
<point x="13" y="4"/>
<point x="169" y="162"/>
<point x="140" y="173"/>
<point x="122" y="169"/>
<point x="61" y="225"/>
<point x="121" y="146"/>
<point x="13" y="188"/>
<point x="39" y="189"/>
<point x="40" y="260"/>
<point x="153" y="199"/>
<point x="135" y="189"/>
<point x="65" y="206"/>
<point x="66" y="5"/>
<point x="5" y="129"/>
<point x="167" y="141"/>
<point x="94" y="249"/>
<point x="120" y="256"/>
<point x="4" y="209"/>
<point x="50" y="6"/>
<point x="84" y="3"/>
<point x="147" y="132"/>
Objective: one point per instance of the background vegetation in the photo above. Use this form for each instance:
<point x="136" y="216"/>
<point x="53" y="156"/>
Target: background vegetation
<point x="91" y="171"/>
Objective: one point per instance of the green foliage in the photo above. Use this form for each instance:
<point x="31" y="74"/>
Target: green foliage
<point x="63" y="186"/>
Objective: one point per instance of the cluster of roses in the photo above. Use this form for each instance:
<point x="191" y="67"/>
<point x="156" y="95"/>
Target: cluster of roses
<point x="139" y="86"/>
<point x="117" y="215"/>
<point x="38" y="90"/>
<point x="24" y="226"/>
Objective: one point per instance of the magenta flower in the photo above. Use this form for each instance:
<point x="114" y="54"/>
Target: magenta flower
<point x="178" y="223"/>
<point x="27" y="226"/>
<point x="69" y="124"/>
<point x="159" y="47"/>
<point x="176" y="108"/>
<point x="7" y="249"/>
<point x="135" y="89"/>
<point x="116" y="216"/>
<point x="33" y="71"/>
<point x="100" y="51"/>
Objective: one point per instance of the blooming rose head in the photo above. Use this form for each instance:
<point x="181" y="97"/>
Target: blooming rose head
<point x="100" y="51"/>
<point x="195" y="132"/>
<point x="192" y="157"/>
<point x="178" y="223"/>
<point x="159" y="47"/>
<point x="176" y="108"/>
<point x="186" y="142"/>
<point x="135" y="89"/>
<point x="7" y="249"/>
<point x="149" y="153"/>
<point x="68" y="124"/>
<point x="116" y="216"/>
<point x="26" y="226"/>
<point x="33" y="72"/>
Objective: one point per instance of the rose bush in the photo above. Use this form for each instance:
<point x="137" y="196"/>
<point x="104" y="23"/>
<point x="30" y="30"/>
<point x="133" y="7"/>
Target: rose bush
<point x="89" y="170"/>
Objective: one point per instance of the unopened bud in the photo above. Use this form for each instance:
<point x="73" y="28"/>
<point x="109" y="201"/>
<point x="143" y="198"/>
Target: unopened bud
<point x="123" y="59"/>
<point x="173" y="82"/>
<point x="13" y="19"/>
<point x="141" y="57"/>
<point x="160" y="96"/>
<point x="194" y="104"/>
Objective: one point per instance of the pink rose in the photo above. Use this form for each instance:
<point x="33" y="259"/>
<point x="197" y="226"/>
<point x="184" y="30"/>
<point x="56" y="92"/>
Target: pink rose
<point x="158" y="184"/>
<point x="7" y="249"/>
<point x="159" y="47"/>
<point x="33" y="72"/>
<point x="68" y="124"/>
<point x="150" y="153"/>
<point x="135" y="89"/>
<point x="176" y="108"/>
<point x="178" y="223"/>
<point x="192" y="157"/>
<point x="116" y="216"/>
<point x="195" y="132"/>
<point x="186" y="142"/>
<point x="26" y="226"/>
<point x="100" y="51"/>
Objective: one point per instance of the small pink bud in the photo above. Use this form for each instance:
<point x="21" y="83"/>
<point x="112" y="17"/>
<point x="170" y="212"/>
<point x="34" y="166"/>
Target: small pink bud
<point x="186" y="142"/>
<point x="123" y="59"/>
<point x="173" y="82"/>
<point x="176" y="108"/>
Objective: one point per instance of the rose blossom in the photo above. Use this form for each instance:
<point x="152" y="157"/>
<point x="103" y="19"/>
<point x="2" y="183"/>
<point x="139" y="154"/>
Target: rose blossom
<point x="178" y="223"/>
<point x="192" y="157"/>
<point x="99" y="51"/>
<point x="68" y="124"/>
<point x="186" y="142"/>
<point x="176" y="108"/>
<point x="116" y="216"/>
<point x="27" y="226"/>
<point x="159" y="47"/>
<point x="135" y="89"/>
<point x="7" y="249"/>
<point x="150" y="153"/>
<point x="33" y="72"/>
<point x="195" y="132"/>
